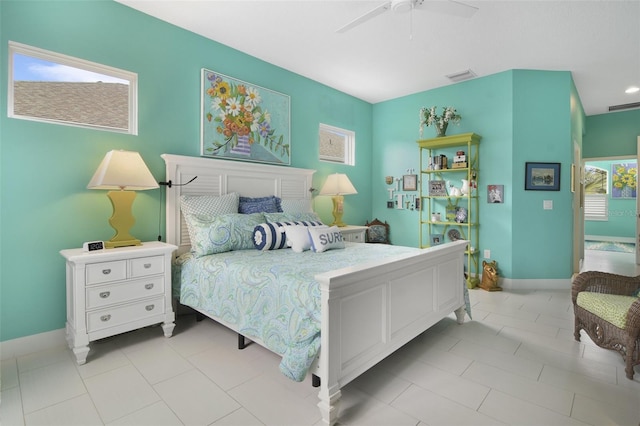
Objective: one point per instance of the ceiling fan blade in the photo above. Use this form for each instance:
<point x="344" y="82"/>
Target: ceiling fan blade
<point x="370" y="14"/>
<point x="451" y="7"/>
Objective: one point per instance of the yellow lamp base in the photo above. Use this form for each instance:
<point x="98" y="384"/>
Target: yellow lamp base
<point x="122" y="219"/>
<point x="338" y="210"/>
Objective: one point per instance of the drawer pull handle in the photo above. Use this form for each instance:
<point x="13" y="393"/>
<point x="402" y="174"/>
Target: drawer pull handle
<point x="105" y="318"/>
<point x="147" y="265"/>
<point x="105" y="294"/>
<point x="106" y="271"/>
<point x="149" y="307"/>
<point x="148" y="286"/>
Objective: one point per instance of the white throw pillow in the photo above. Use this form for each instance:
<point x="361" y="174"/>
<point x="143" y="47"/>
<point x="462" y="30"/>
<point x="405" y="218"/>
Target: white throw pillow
<point x="323" y="239"/>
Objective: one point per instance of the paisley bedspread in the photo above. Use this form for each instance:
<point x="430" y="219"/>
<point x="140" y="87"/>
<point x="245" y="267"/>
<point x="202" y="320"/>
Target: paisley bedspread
<point x="270" y="295"/>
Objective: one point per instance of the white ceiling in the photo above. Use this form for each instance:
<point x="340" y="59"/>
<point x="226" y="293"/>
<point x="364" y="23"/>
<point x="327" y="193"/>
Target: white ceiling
<point x="598" y="41"/>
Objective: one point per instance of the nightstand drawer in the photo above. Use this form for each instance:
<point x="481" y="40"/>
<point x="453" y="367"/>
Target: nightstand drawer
<point x="144" y="266"/>
<point x="119" y="315"/>
<point x="106" y="271"/>
<point x="122" y="292"/>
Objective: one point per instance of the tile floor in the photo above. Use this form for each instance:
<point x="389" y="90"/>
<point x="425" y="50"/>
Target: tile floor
<point x="515" y="363"/>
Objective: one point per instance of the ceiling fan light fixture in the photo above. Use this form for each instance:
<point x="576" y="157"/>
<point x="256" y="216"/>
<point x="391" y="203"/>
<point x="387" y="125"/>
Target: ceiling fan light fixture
<point x="461" y="76"/>
<point x="402" y="6"/>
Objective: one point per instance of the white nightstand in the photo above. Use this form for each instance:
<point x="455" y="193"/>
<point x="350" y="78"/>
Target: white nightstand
<point x="353" y="233"/>
<point x="112" y="291"/>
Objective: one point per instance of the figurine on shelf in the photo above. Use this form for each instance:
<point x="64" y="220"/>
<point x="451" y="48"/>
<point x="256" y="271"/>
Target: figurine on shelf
<point x="453" y="191"/>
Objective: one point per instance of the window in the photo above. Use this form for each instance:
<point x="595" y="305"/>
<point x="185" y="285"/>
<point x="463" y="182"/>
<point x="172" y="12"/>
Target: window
<point x="337" y="145"/>
<point x="55" y="88"/>
<point x="596" y="200"/>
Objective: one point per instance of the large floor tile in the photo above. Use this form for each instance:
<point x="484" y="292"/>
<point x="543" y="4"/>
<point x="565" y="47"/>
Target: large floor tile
<point x="597" y="412"/>
<point x="120" y="392"/>
<point x="195" y="399"/>
<point x="158" y="414"/>
<point x="516" y="411"/>
<point x="51" y="384"/>
<point x="77" y="411"/>
<point x="433" y="409"/>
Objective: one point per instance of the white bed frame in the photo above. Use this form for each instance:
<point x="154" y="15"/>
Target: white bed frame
<point x="368" y="311"/>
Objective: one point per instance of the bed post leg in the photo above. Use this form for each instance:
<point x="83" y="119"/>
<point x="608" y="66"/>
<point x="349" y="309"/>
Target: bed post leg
<point x="242" y="342"/>
<point x="315" y="381"/>
<point x="460" y="314"/>
<point x="328" y="405"/>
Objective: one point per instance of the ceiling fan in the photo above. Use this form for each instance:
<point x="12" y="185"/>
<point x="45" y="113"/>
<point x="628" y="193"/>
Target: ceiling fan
<point x="450" y="7"/>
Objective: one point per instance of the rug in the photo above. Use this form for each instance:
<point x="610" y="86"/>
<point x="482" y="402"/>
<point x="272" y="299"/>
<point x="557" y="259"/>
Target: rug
<point x="610" y="246"/>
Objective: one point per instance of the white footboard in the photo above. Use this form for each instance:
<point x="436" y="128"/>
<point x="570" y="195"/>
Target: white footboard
<point x="368" y="312"/>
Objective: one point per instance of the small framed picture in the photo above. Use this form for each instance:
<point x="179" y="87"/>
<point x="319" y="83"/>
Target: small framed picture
<point x="542" y="177"/>
<point x="437" y="239"/>
<point x="410" y="182"/>
<point x="495" y="193"/>
<point x="437" y="188"/>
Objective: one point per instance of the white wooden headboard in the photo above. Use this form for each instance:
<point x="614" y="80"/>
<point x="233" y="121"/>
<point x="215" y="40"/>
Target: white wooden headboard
<point x="219" y="177"/>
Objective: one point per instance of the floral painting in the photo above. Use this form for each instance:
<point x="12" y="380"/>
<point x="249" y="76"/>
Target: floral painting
<point x="624" y="180"/>
<point x="242" y="121"/>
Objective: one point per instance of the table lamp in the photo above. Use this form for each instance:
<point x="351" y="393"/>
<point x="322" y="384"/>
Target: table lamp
<point x="123" y="173"/>
<point x="338" y="184"/>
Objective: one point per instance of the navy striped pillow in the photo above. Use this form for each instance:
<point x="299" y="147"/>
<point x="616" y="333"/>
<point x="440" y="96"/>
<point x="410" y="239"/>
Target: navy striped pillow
<point x="271" y="236"/>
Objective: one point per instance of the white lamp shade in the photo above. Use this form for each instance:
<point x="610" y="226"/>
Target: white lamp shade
<point x="338" y="184"/>
<point x="124" y="170"/>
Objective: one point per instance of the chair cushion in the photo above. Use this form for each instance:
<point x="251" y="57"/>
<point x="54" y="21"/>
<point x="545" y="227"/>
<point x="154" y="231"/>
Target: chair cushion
<point x="610" y="307"/>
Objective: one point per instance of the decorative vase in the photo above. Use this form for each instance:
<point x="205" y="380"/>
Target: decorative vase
<point x="441" y="130"/>
<point x="242" y="147"/>
<point x="465" y="187"/>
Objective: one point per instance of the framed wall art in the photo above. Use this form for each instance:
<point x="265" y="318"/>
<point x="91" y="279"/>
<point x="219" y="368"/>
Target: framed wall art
<point x="495" y="193"/>
<point x="437" y="188"/>
<point x="542" y="177"/>
<point x="624" y="179"/>
<point x="242" y="121"/>
<point x="410" y="182"/>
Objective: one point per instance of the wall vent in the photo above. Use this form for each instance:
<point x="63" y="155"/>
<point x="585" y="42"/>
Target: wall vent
<point x="461" y="76"/>
<point x="624" y="106"/>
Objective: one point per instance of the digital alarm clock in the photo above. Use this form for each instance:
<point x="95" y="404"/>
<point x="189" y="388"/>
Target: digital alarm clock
<point x="93" y="246"/>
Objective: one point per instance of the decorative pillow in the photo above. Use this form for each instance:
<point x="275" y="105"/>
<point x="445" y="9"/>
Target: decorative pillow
<point x="269" y="236"/>
<point x="209" y="204"/>
<point x="298" y="237"/>
<point x="270" y="204"/>
<point x="296" y="217"/>
<point x="323" y="239"/>
<point x="221" y="233"/>
<point x="302" y="205"/>
<point x="272" y="236"/>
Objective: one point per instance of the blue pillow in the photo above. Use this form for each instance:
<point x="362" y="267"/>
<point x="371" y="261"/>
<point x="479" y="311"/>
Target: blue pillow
<point x="270" y="204"/>
<point x="272" y="235"/>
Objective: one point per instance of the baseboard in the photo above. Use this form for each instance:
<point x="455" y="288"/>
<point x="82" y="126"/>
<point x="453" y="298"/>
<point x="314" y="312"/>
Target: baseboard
<point x="34" y="343"/>
<point x="535" y="284"/>
<point x="609" y="239"/>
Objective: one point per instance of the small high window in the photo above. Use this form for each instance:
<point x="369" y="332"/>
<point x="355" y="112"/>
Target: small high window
<point x="55" y="88"/>
<point x="337" y="145"/>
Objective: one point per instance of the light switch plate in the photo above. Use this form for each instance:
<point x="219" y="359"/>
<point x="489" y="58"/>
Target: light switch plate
<point x="547" y="204"/>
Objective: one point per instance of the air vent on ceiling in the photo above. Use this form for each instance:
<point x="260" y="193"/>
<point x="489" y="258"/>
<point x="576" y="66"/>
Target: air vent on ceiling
<point x="461" y="76"/>
<point x="624" y="106"/>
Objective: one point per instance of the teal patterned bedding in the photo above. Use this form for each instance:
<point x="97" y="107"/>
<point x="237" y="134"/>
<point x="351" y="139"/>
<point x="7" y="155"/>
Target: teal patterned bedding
<point x="270" y="295"/>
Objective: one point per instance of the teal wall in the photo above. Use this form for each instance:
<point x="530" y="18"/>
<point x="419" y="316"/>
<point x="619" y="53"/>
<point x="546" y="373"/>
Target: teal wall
<point x="45" y="168"/>
<point x="612" y="135"/>
<point x="622" y="212"/>
<point x="522" y="116"/>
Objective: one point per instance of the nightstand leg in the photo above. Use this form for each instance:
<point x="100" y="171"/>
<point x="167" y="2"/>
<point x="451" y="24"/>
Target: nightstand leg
<point x="168" y="328"/>
<point x="81" y="354"/>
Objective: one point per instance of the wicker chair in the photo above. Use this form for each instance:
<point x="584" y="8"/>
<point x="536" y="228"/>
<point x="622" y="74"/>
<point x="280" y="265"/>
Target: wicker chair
<point x="604" y="334"/>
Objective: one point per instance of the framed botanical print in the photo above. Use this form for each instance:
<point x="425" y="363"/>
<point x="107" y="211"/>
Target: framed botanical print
<point x="242" y="121"/>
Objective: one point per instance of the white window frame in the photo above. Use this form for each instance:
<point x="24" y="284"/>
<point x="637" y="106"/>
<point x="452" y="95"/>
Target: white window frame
<point x="596" y="207"/>
<point x="331" y="134"/>
<point x="82" y="64"/>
